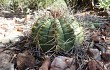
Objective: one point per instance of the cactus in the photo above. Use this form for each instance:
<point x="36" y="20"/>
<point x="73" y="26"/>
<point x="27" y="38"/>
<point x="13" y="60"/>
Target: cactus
<point x="55" y="32"/>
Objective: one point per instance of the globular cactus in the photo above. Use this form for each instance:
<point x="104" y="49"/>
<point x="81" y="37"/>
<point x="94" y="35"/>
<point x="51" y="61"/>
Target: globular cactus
<point x="55" y="32"/>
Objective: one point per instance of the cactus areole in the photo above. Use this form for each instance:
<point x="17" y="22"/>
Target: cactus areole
<point x="56" y="33"/>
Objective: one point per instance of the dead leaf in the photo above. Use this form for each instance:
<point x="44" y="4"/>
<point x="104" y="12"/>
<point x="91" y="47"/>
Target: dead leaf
<point x="45" y="65"/>
<point x="105" y="57"/>
<point x="95" y="65"/>
<point x="25" y="60"/>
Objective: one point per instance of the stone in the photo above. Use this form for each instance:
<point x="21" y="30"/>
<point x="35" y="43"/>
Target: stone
<point x="1" y="45"/>
<point x="5" y="41"/>
<point x="94" y="53"/>
<point x="5" y="61"/>
<point x="60" y="63"/>
<point x="15" y="36"/>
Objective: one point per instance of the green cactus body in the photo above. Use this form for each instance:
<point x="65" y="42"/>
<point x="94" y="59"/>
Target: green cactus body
<point x="49" y="32"/>
<point x="78" y="31"/>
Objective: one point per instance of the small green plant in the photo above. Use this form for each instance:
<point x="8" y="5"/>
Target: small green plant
<point x="104" y="3"/>
<point x="4" y="2"/>
<point x="14" y="6"/>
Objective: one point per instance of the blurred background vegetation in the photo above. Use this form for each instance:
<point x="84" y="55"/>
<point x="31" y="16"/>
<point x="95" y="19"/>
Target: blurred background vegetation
<point x="23" y="5"/>
<point x="36" y="4"/>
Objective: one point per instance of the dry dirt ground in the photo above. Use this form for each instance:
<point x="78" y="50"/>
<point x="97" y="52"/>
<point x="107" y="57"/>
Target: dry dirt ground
<point x="94" y="55"/>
